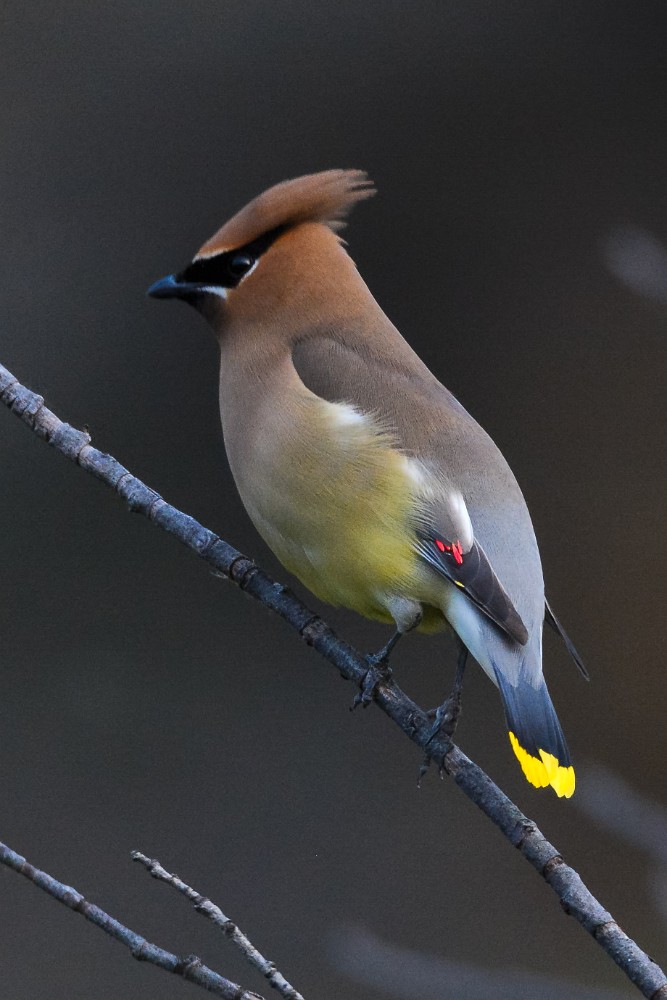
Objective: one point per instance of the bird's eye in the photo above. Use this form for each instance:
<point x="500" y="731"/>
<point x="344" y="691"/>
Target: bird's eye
<point x="240" y="264"/>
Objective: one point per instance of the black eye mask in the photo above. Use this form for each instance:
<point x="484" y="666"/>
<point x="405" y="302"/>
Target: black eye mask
<point x="225" y="270"/>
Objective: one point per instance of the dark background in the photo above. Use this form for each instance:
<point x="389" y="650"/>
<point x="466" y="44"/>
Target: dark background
<point x="517" y="240"/>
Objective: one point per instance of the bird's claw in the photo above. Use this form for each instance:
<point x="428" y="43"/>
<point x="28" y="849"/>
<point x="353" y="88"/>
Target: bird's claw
<point x="446" y="718"/>
<point x="378" y="671"/>
<point x="447" y="715"/>
<point x="425" y="765"/>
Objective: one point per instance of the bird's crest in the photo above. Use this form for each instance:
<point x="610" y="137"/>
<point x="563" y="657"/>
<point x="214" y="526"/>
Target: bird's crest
<point x="325" y="197"/>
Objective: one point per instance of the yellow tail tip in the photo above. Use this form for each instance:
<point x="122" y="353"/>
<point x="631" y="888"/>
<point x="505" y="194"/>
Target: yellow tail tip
<point x="544" y="770"/>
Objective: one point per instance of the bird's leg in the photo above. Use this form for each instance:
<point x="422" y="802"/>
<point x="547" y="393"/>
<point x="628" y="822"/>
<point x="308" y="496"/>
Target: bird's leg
<point x="447" y="715"/>
<point x="382" y="655"/>
<point x="407" y="615"/>
<point x="378" y="670"/>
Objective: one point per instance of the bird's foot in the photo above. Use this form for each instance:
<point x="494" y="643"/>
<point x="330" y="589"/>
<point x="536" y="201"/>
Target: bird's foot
<point x="378" y="671"/>
<point x="445" y="718"/>
<point x="426" y="763"/>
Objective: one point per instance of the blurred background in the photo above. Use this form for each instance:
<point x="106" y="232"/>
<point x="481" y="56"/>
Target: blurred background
<point x="519" y="241"/>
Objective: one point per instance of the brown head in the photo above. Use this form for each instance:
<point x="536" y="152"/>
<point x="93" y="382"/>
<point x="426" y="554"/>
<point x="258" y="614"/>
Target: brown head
<point x="280" y="251"/>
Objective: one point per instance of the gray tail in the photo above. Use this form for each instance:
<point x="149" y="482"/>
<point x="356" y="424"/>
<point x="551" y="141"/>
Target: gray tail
<point x="535" y="733"/>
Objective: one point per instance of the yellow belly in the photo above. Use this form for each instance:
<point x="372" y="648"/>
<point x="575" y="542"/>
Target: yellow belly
<point x="337" y="501"/>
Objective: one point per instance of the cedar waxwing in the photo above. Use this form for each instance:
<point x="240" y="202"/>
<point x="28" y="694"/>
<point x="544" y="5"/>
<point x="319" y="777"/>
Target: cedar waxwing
<point x="364" y="475"/>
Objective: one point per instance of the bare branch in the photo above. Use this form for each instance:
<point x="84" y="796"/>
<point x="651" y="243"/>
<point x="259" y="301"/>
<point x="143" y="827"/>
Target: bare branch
<point x="229" y="929"/>
<point x="475" y="783"/>
<point x="190" y="968"/>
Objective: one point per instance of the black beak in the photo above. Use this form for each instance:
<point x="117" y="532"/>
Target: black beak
<point x="167" y="288"/>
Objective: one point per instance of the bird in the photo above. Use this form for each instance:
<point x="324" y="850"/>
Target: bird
<point x="366" y="477"/>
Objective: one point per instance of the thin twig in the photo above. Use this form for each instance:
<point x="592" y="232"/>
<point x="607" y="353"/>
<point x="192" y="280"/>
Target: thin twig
<point x="475" y="783"/>
<point x="228" y="927"/>
<point x="190" y="968"/>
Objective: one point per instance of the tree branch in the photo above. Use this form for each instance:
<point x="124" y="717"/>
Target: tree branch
<point x="228" y="927"/>
<point x="190" y="968"/>
<point x="517" y="828"/>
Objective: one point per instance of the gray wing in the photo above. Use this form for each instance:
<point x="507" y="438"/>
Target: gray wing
<point x="430" y="424"/>
<point x="472" y="572"/>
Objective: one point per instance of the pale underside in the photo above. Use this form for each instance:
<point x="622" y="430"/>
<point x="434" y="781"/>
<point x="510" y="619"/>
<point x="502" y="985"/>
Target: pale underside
<point x="339" y="504"/>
